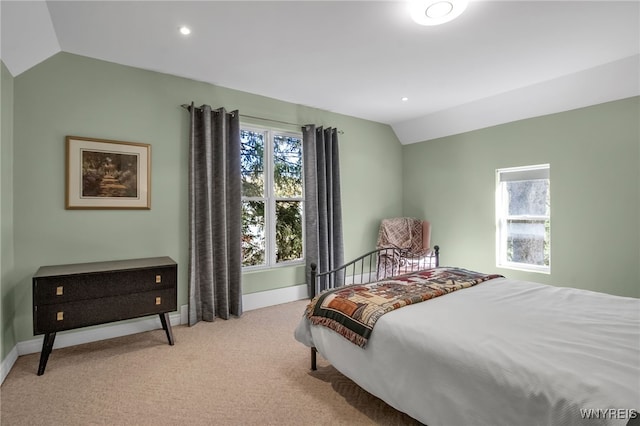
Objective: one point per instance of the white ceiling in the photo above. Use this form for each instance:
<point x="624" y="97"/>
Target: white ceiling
<point x="499" y="61"/>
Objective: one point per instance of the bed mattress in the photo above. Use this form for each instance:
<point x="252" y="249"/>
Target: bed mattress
<point x="504" y="352"/>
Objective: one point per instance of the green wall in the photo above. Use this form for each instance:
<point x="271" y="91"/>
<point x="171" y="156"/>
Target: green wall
<point x="594" y="155"/>
<point x="7" y="337"/>
<point x="75" y="95"/>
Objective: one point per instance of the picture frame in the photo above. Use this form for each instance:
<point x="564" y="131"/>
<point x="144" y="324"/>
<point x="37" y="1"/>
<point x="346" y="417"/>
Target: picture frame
<point x="107" y="174"/>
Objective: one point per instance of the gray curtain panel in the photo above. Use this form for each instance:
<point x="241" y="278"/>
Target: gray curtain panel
<point x="215" y="215"/>
<point x="323" y="205"/>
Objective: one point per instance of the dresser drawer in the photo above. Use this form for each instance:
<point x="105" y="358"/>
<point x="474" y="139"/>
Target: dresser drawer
<point x="61" y="289"/>
<point x="65" y="316"/>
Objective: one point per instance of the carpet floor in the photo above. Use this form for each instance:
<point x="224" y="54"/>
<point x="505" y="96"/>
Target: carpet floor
<point x="246" y="371"/>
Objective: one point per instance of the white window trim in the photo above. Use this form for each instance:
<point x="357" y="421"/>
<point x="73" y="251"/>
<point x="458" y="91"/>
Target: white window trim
<point x="521" y="173"/>
<point x="270" y="199"/>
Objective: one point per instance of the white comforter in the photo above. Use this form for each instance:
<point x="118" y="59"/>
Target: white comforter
<point x="503" y="352"/>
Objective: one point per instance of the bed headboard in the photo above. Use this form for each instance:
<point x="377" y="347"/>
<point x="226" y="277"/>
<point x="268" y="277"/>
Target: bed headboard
<point x="373" y="266"/>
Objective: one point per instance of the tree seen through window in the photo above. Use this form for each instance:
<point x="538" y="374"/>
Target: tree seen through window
<point x="272" y="192"/>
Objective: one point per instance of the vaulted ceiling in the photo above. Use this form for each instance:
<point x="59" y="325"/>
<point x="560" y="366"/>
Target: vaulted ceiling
<point x="499" y="61"/>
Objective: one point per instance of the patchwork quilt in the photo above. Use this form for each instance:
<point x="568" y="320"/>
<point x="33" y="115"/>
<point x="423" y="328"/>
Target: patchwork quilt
<point x="353" y="310"/>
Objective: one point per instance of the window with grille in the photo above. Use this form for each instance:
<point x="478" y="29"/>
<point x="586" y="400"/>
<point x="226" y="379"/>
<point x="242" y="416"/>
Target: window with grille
<point x="272" y="197"/>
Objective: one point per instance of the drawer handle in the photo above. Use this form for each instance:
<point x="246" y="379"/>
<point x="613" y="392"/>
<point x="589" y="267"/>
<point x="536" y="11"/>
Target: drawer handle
<point x="60" y="316"/>
<point x="158" y="300"/>
<point x="158" y="279"/>
<point x="59" y="290"/>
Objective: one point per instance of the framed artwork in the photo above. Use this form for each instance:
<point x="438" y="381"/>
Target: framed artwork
<point x="104" y="174"/>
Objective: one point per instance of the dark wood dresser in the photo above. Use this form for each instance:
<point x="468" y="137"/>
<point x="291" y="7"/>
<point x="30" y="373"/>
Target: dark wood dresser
<point x="78" y="295"/>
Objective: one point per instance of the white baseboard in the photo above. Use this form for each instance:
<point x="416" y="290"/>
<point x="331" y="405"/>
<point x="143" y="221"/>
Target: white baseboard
<point x="262" y="299"/>
<point x="7" y="363"/>
<point x="77" y="337"/>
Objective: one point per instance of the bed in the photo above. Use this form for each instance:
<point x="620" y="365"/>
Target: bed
<point x="499" y="352"/>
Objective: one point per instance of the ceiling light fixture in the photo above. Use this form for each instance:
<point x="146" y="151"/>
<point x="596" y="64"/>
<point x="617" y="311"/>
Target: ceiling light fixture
<point x="404" y="99"/>
<point x="184" y="30"/>
<point x="436" y="12"/>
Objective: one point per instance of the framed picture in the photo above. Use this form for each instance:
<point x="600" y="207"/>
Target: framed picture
<point x="104" y="174"/>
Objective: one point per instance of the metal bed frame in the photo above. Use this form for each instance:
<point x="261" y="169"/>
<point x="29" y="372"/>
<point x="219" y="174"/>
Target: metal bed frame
<point x="373" y="266"/>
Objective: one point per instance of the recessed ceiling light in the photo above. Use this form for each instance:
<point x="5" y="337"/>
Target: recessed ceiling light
<point x="404" y="99"/>
<point x="436" y="12"/>
<point x="184" y="30"/>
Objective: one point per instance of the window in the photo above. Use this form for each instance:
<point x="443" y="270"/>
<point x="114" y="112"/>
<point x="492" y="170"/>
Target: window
<point x="272" y="197"/>
<point x="523" y="218"/>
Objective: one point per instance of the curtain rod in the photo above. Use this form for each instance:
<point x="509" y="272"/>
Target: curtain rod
<point x="185" y="106"/>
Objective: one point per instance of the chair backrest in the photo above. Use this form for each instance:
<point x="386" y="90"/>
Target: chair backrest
<point x="405" y="232"/>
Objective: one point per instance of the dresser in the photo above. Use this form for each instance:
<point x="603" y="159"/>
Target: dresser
<point x="66" y="297"/>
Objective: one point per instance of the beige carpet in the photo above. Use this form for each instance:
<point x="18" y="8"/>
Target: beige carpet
<point x="247" y="371"/>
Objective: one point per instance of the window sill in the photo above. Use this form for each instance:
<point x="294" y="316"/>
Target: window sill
<point x="526" y="268"/>
<point x="263" y="268"/>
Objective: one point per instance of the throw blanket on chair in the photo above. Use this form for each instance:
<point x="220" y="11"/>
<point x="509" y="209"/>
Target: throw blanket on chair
<point x="405" y="234"/>
<point x="401" y="232"/>
<point x="353" y="310"/>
